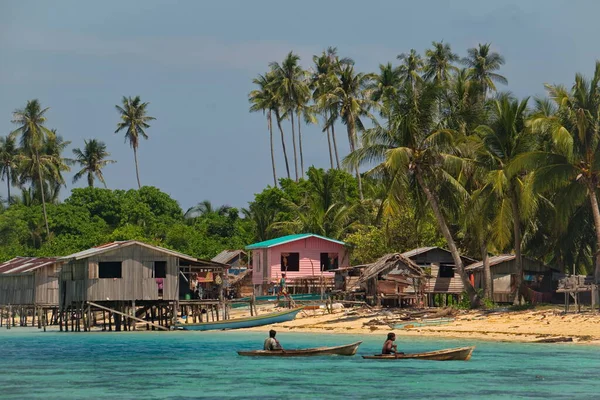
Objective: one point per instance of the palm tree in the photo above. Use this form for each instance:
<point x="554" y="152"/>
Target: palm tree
<point x="352" y="101"/>
<point x="439" y="62"/>
<point x="324" y="80"/>
<point x="411" y="67"/>
<point x="30" y="121"/>
<point x="92" y="159"/>
<point x="414" y="150"/>
<point x="9" y="154"/>
<point x="263" y="99"/>
<point x="482" y="64"/>
<point x="573" y="164"/>
<point x="290" y="88"/>
<point x="53" y="148"/>
<point x="504" y="139"/>
<point x="384" y="88"/>
<point x="205" y="208"/>
<point x="134" y="120"/>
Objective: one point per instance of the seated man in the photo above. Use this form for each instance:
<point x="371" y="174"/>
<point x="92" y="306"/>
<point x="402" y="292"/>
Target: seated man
<point x="271" y="343"/>
<point x="389" y="347"/>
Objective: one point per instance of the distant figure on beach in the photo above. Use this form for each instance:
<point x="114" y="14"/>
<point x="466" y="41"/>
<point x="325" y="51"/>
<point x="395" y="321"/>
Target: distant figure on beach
<point x="271" y="343"/>
<point x="389" y="347"/>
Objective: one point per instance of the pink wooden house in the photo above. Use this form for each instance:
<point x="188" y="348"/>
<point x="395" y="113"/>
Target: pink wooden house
<point x="298" y="256"/>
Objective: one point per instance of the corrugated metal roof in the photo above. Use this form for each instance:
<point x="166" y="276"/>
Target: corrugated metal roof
<point x="494" y="260"/>
<point x="287" y="239"/>
<point x="421" y="250"/>
<point x="227" y="255"/>
<point x="19" y="265"/>
<point x="94" y="251"/>
<point x="417" y="251"/>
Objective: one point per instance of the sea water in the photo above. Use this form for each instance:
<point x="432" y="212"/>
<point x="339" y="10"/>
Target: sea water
<point x="186" y="365"/>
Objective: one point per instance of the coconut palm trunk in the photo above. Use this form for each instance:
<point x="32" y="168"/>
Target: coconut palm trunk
<point x="294" y="143"/>
<point x="330" y="149"/>
<point x="351" y="138"/>
<point x="300" y="145"/>
<point x="8" y="172"/>
<point x="517" y="244"/>
<point x="473" y="297"/>
<point x="488" y="290"/>
<point x="337" y="157"/>
<point x="39" y="170"/>
<point x="596" y="215"/>
<point x="270" y="123"/>
<point x="137" y="170"/>
<point x="285" y="157"/>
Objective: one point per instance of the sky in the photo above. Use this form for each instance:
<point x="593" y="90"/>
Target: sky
<point x="194" y="62"/>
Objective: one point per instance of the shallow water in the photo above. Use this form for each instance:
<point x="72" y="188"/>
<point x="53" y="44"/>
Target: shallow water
<point x="183" y="365"/>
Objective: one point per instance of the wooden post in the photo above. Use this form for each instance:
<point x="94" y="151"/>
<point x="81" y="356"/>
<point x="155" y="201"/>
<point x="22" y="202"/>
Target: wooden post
<point x="8" y="317"/>
<point x="133" y="313"/>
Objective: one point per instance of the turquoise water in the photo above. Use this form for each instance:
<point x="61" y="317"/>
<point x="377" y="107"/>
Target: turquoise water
<point x="185" y="365"/>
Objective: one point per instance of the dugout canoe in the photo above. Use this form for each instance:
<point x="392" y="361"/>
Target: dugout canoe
<point x="238" y="323"/>
<point x="346" y="350"/>
<point x="458" y="354"/>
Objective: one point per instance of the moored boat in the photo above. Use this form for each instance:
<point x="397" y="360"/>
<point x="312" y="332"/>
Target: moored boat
<point x="238" y="323"/>
<point x="346" y="350"/>
<point x="457" y="354"/>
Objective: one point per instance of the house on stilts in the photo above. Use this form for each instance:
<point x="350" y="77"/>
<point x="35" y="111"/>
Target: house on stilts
<point x="29" y="288"/>
<point x="135" y="282"/>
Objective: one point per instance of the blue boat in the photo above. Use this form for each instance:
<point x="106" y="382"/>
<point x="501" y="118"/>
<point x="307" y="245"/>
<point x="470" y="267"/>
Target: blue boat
<point x="295" y="297"/>
<point x="238" y="323"/>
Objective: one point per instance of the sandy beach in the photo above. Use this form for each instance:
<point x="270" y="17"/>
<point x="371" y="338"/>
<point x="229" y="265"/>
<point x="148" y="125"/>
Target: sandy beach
<point x="514" y="326"/>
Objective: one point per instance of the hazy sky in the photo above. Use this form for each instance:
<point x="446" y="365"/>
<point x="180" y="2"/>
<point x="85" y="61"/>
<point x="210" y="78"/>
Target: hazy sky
<point x="194" y="62"/>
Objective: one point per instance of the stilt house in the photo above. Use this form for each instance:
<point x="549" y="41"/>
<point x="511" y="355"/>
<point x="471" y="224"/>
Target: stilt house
<point x="306" y="259"/>
<point x="537" y="278"/>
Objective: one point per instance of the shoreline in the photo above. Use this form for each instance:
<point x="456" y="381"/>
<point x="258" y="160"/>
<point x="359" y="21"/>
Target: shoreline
<point x="509" y="326"/>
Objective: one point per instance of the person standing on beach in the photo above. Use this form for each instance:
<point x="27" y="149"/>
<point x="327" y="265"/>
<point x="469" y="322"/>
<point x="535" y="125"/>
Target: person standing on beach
<point x="271" y="343"/>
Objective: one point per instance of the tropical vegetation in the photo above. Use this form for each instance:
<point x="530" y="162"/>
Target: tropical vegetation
<point x="439" y="156"/>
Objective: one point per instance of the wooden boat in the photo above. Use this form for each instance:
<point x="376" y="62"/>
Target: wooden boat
<point x="243" y="302"/>
<point x="237" y="323"/>
<point x="423" y="323"/>
<point x="346" y="350"/>
<point x="458" y="354"/>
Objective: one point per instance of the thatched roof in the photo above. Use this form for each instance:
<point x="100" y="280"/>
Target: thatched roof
<point x="396" y="263"/>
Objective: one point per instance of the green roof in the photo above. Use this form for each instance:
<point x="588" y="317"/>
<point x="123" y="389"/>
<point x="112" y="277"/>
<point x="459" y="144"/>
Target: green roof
<point x="286" y="239"/>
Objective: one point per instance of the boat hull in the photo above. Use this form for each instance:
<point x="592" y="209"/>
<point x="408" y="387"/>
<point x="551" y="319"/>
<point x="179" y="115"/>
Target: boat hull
<point x="239" y="323"/>
<point x="295" y="297"/>
<point x="458" y="354"/>
<point x="346" y="350"/>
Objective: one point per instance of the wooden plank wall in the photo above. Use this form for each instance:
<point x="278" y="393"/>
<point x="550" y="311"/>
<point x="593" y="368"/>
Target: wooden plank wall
<point x="17" y="289"/>
<point x="443" y="285"/>
<point x="136" y="283"/>
<point x="46" y="284"/>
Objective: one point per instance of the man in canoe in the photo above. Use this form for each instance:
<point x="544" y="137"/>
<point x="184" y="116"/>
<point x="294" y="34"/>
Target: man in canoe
<point x="271" y="343"/>
<point x="389" y="347"/>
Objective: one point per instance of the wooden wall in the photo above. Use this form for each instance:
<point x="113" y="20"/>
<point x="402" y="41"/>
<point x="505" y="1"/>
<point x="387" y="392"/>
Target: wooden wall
<point x="309" y="250"/>
<point x="436" y="284"/>
<point x="17" y="288"/>
<point x="37" y="287"/>
<point x="81" y="280"/>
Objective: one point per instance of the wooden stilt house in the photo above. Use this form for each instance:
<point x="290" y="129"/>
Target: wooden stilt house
<point x="29" y="286"/>
<point x="128" y="274"/>
<point x="393" y="280"/>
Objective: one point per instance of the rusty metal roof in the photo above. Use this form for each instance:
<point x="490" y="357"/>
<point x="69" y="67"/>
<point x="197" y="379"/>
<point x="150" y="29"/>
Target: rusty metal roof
<point x="19" y="265"/>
